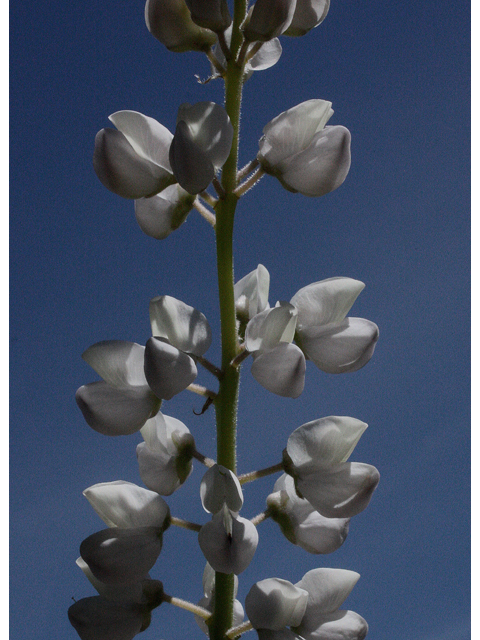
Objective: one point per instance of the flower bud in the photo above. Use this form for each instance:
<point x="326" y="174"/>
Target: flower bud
<point x="275" y="603"/>
<point x="269" y="19"/>
<point x="220" y="487"/>
<point x="308" y="15"/>
<point x="169" y="21"/>
<point x="305" y="156"/>
<point x="210" y="14"/>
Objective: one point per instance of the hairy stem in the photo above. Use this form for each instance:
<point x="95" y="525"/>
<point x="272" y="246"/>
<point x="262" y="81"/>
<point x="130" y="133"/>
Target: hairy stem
<point x="261" y="473"/>
<point x="226" y="400"/>
<point x="188" y="606"/>
<point x="185" y="524"/>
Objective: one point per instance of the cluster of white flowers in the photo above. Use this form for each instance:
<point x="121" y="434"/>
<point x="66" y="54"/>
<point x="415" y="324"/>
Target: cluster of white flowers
<point x="319" y="490"/>
<point x="315" y="318"/>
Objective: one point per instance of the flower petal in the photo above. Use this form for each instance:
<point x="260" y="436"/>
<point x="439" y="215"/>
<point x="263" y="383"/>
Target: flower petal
<point x="169" y="22"/>
<point x="183" y="326"/>
<point x="301" y="524"/>
<point x="291" y="132"/>
<point x="126" y="505"/>
<point x="327" y="590"/>
<point x="340" y="625"/>
<point x="281" y="370"/>
<point x="271" y="327"/>
<point x="132" y="592"/>
<point x="232" y="551"/>
<point x="160" y="471"/>
<point x="116" y="412"/>
<point x="342" y="491"/>
<point x="164" y="434"/>
<point x="251" y="293"/>
<point x="150" y="139"/>
<point x="326" y="301"/>
<point x="220" y="487"/>
<point x="163" y="213"/>
<point x="210" y="128"/>
<point x="118" y="362"/>
<point x="121" y="556"/>
<point x="322" y="167"/>
<point x="308" y="15"/>
<point x="274" y="604"/>
<point x="210" y="14"/>
<point x="341" y="348"/>
<point x="99" y="619"/>
<point x="123" y="171"/>
<point x="190" y="163"/>
<point x="268" y="55"/>
<point x="168" y="370"/>
<point x="269" y="19"/>
<point x="325" y="442"/>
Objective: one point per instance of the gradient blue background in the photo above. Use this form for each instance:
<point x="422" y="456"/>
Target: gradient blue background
<point x="82" y="271"/>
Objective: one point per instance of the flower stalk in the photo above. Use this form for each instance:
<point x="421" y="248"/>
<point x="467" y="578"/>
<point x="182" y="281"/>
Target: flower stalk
<point x="227" y="398"/>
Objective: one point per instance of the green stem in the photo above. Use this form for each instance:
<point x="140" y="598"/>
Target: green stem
<point x="227" y="397"/>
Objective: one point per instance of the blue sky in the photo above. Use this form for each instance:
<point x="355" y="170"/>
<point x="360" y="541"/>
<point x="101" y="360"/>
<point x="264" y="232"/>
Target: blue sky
<point x="82" y="271"/>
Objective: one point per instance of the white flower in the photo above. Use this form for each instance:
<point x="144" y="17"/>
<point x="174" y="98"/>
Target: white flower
<point x="122" y="556"/>
<point x="178" y="330"/>
<point x="164" y="212"/>
<point x="126" y="505"/>
<point x="220" y="487"/>
<point x="201" y="144"/>
<point x="251" y="293"/>
<point x="97" y="618"/>
<point x="123" y="402"/>
<point x="302" y="153"/>
<point x="268" y="19"/>
<point x="308" y="15"/>
<point x="228" y="542"/>
<point x="274" y="604"/>
<point x="278" y="365"/>
<point x="316" y="455"/>
<point x="183" y="326"/>
<point x="132" y="161"/>
<point x="165" y="458"/>
<point x="169" y="21"/>
<point x="333" y="342"/>
<point x="327" y="589"/>
<point x="301" y="523"/>
<point x="210" y="14"/>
